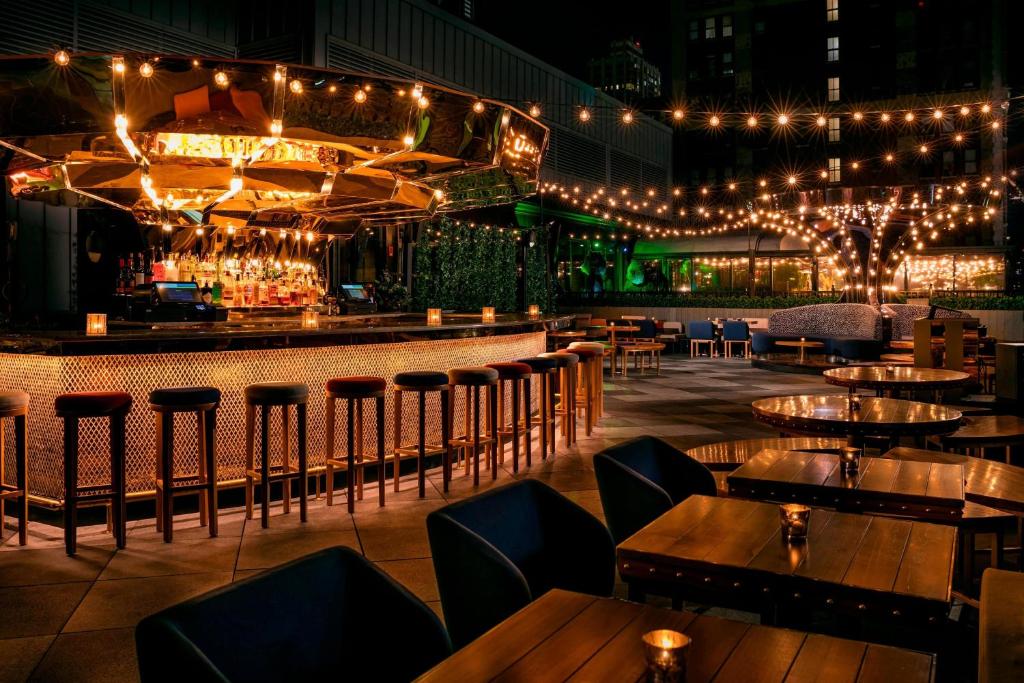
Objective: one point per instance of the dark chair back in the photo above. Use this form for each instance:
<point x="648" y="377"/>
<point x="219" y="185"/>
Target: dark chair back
<point x="641" y="479"/>
<point x="648" y="329"/>
<point x="323" y="616"/>
<point x="702" y="329"/>
<point x="735" y="330"/>
<point x="496" y="552"/>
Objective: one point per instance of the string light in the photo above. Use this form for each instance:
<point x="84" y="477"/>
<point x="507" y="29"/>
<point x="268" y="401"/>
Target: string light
<point x="885" y="117"/>
<point x="221" y="79"/>
<point x="145" y="69"/>
<point x="752" y="122"/>
<point x="783" y="119"/>
<point x="584" y="115"/>
<point x="678" y="114"/>
<point x="408" y="140"/>
<point x="119" y="67"/>
<point x="714" y="121"/>
<point x="62" y="58"/>
<point x="534" y="111"/>
<point x="908" y="117"/>
<point x="986" y="108"/>
<point x="821" y="121"/>
<point x="359" y="96"/>
<point x="423" y="102"/>
<point x="478" y="107"/>
<point x="627" y="116"/>
<point x="858" y="116"/>
<point x="937" y="114"/>
<point x="295" y="86"/>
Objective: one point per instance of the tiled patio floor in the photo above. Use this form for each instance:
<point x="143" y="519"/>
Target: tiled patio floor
<point x="70" y="619"/>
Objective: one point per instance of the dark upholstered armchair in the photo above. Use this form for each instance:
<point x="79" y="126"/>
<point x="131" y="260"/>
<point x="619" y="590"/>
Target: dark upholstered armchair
<point x="643" y="478"/>
<point x="331" y="614"/>
<point x="496" y="552"/>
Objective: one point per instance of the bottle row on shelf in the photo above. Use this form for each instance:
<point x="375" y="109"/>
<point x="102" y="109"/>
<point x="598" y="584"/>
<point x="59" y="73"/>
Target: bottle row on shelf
<point x="228" y="282"/>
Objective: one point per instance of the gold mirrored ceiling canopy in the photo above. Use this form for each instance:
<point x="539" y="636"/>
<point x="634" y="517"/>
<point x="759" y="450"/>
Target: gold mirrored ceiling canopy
<point x="181" y="141"/>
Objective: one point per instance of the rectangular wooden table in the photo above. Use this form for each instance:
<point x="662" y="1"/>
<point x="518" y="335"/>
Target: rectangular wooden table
<point x="565" y="636"/>
<point x="919" y="490"/>
<point x="731" y="552"/>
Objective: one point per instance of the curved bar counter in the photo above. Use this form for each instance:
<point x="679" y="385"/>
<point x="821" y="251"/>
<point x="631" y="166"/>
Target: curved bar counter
<point x="230" y="355"/>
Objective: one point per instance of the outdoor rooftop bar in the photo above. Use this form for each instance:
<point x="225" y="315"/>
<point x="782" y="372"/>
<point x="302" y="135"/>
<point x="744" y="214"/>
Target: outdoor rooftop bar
<point x="342" y="368"/>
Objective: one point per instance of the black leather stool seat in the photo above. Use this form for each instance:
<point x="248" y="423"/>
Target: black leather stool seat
<point x="92" y="403"/>
<point x="539" y="364"/>
<point x="357" y="387"/>
<point x="421" y="379"/>
<point x="564" y="359"/>
<point x="10" y="400"/>
<point x="511" y="370"/>
<point x="276" y="393"/>
<point x="472" y="376"/>
<point x="184" y="396"/>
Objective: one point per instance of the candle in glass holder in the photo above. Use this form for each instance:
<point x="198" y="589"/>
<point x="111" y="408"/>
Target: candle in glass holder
<point x="534" y="311"/>
<point x="849" y="459"/>
<point x="95" y="324"/>
<point x="665" y="652"/>
<point x="488" y="314"/>
<point x="854" y="402"/>
<point x="433" y="316"/>
<point x="803" y="339"/>
<point x="795" y="519"/>
<point x="890" y="369"/>
<point x="310" y="319"/>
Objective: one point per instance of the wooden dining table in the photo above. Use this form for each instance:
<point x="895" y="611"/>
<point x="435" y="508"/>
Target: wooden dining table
<point x="986" y="482"/>
<point x="565" y="636"/>
<point x="731" y="552"/>
<point x="854" y="416"/>
<point x="917" y="490"/>
<point x="896" y="378"/>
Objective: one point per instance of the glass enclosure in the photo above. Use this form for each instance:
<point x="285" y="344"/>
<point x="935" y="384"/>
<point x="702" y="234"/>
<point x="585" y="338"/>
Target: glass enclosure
<point x="949" y="272"/>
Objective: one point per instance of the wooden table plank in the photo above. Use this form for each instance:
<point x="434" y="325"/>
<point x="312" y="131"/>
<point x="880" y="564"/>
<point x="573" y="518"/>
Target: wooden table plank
<point x="887" y="664"/>
<point x="922" y="570"/>
<point x="504" y="645"/>
<point x="718" y="639"/>
<point x="714" y="530"/>
<point x="839" y="543"/>
<point x="788" y="466"/>
<point x="572" y="645"/>
<point x="944" y="481"/>
<point x="877" y="561"/>
<point x="877" y="476"/>
<point x="746" y="539"/>
<point x="677" y="521"/>
<point x="987" y="482"/>
<point x="763" y="656"/>
<point x="818" y="470"/>
<point x="622" y="658"/>
<point x="827" y="659"/>
<point x="911" y="478"/>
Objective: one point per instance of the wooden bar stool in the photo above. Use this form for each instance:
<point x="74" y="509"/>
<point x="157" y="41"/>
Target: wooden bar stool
<point x="266" y="396"/>
<point x="472" y="378"/>
<point x="354" y="390"/>
<point x="568" y="366"/>
<point x="421" y="382"/>
<point x="518" y="377"/>
<point x="587" y="393"/>
<point x="597" y="368"/>
<point x="113" y="406"/>
<point x="15" y="404"/>
<point x="545" y="369"/>
<point x="203" y="401"/>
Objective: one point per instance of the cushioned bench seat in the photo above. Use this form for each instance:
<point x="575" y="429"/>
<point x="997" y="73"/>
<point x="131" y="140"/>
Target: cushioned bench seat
<point x="847" y="347"/>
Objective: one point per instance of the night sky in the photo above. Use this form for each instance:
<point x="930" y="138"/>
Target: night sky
<point x="567" y="34"/>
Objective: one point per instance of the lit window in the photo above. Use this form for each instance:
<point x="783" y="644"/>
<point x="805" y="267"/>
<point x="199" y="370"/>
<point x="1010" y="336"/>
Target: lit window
<point x="833" y="129"/>
<point x="832" y="10"/>
<point x="694" y="30"/>
<point x="709" y="28"/>
<point x="833" y="49"/>
<point x="727" y="26"/>
<point x="833" y="89"/>
<point x="834" y="170"/>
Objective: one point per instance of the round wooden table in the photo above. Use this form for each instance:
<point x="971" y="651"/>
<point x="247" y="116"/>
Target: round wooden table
<point x="803" y="345"/>
<point x="900" y="378"/>
<point x="986" y="431"/>
<point x="832" y="414"/>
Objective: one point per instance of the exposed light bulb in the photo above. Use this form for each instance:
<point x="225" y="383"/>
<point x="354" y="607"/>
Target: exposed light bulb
<point x="408" y="140"/>
<point x="422" y="102"/>
<point x="62" y="58"/>
<point x="295" y="86"/>
<point x="752" y="122"/>
<point x="858" y="116"/>
<point x="714" y="120"/>
<point x="221" y="79"/>
<point x="678" y="114"/>
<point x="627" y="116"/>
<point x="584" y="115"/>
<point x="145" y="69"/>
<point x="478" y="107"/>
<point x="821" y="121"/>
<point x="534" y="111"/>
<point x="359" y="96"/>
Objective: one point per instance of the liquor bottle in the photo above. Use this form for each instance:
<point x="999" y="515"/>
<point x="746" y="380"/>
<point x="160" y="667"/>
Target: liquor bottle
<point x="171" y="271"/>
<point x="272" y="291"/>
<point x="147" y="269"/>
<point x="120" y="276"/>
<point x="249" y="301"/>
<point x="139" y="270"/>
<point x="218" y="288"/>
<point x="228" y="293"/>
<point x="206" y="292"/>
<point x="263" y="293"/>
<point x="159" y="269"/>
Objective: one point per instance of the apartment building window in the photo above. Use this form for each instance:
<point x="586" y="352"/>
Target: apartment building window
<point x="835" y="173"/>
<point x="709" y="28"/>
<point x="727" y="64"/>
<point x="832" y="10"/>
<point x="727" y="26"/>
<point x="970" y="161"/>
<point x="833" y="129"/>
<point x="694" y="30"/>
<point x="833" y="89"/>
<point x="833" y="49"/>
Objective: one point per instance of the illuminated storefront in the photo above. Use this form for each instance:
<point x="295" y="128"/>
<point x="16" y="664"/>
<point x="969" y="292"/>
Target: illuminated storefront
<point x="962" y="272"/>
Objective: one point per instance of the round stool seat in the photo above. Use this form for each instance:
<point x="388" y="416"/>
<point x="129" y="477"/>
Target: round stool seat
<point x="276" y="393"/>
<point x="357" y="387"/>
<point x="593" y="346"/>
<point x="12" y="400"/>
<point x="92" y="403"/>
<point x="169" y="397"/>
<point x="511" y="370"/>
<point x="421" y="379"/>
<point x="473" y="376"/>
<point x="539" y="364"/>
<point x="564" y="359"/>
<point x="583" y="354"/>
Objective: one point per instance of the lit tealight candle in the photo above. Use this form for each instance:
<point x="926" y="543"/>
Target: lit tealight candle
<point x="488" y="314"/>
<point x="803" y="339"/>
<point x="794" y="519"/>
<point x="849" y="459"/>
<point x="95" y="324"/>
<point x="433" y="316"/>
<point x="665" y="651"/>
<point x="310" y="319"/>
<point x="534" y="311"/>
<point x="890" y="369"/>
<point x="854" y="402"/>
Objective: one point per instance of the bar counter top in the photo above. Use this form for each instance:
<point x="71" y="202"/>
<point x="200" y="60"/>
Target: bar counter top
<point x="268" y="333"/>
